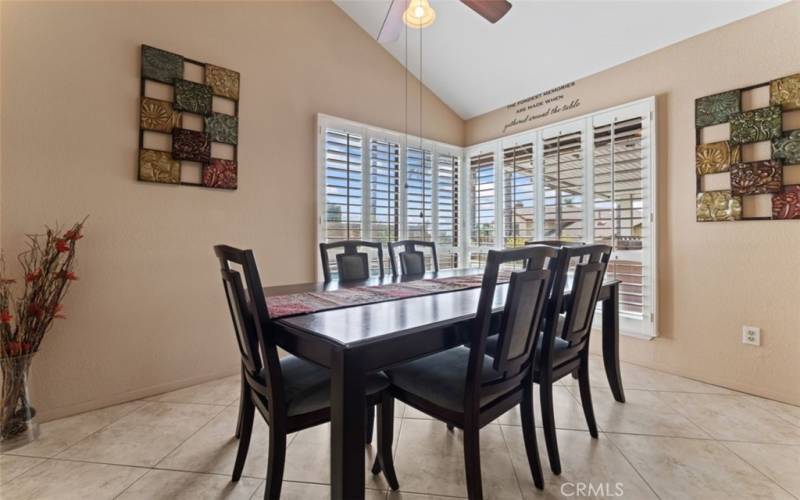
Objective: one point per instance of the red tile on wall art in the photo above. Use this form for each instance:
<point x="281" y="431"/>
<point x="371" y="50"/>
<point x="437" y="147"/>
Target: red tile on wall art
<point x="786" y="204"/>
<point x="190" y="145"/>
<point x="220" y="174"/>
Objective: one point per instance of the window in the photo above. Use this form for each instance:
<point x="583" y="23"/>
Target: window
<point x="518" y="195"/>
<point x="419" y="194"/>
<point x="563" y="187"/>
<point x="447" y="167"/>
<point x="384" y="190"/>
<point x="483" y="227"/>
<point x="343" y="185"/>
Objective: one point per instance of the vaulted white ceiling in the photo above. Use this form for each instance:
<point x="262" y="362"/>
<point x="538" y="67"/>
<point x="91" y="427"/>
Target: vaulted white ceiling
<point x="475" y="67"/>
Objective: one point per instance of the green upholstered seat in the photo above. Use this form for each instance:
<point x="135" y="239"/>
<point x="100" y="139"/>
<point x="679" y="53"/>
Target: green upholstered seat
<point x="441" y="378"/>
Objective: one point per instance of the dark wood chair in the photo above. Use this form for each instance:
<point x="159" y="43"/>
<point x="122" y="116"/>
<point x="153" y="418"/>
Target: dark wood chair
<point x="564" y="346"/>
<point x="412" y="259"/>
<point x="467" y="389"/>
<point x="351" y="265"/>
<point x="291" y="394"/>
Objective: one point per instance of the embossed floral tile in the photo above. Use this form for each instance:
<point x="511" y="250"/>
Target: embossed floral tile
<point x="785" y="92"/>
<point x="220" y="174"/>
<point x="159" y="115"/>
<point x="161" y="65"/>
<point x="786" y="204"/>
<point x="787" y="147"/>
<point x="762" y="124"/>
<point x="223" y="82"/>
<point x="158" y="166"/>
<point x="222" y="128"/>
<point x="717" y="108"/>
<point x="716" y="206"/>
<point x="716" y="157"/>
<point x="190" y="145"/>
<point x="193" y="97"/>
<point x="758" y="177"/>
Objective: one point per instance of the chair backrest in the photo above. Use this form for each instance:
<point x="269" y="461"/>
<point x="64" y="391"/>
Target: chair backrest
<point x="570" y="312"/>
<point x="251" y="323"/>
<point x="412" y="260"/>
<point x="351" y="265"/>
<point x="520" y="321"/>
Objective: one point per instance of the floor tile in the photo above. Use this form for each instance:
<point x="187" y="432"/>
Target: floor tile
<point x="585" y="462"/>
<point x="144" y="436"/>
<point x="66" y="480"/>
<point x="221" y="392"/>
<point x="12" y="466"/>
<point x="308" y="458"/>
<point x="213" y="448"/>
<point x="171" y="485"/>
<point x="430" y="460"/>
<point x="399" y="495"/>
<point x="643" y="412"/>
<point x="57" y="435"/>
<point x="779" y="462"/>
<point x="679" y="468"/>
<point x="307" y="491"/>
<point x="788" y="412"/>
<point x="568" y="412"/>
<point x="733" y="418"/>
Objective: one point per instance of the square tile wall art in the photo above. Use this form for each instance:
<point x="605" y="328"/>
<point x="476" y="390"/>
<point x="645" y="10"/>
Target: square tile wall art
<point x="193" y="97"/>
<point x="717" y="108"/>
<point x="158" y="166"/>
<point x="220" y="174"/>
<point x="222" y="128"/>
<point x="787" y="147"/>
<point x="190" y="145"/>
<point x="715" y="206"/>
<point x="786" y="204"/>
<point x="223" y="82"/>
<point x="716" y="157"/>
<point x="758" y="125"/>
<point x="785" y="92"/>
<point x="159" y="115"/>
<point x="758" y="177"/>
<point x="171" y="109"/>
<point x="160" y="65"/>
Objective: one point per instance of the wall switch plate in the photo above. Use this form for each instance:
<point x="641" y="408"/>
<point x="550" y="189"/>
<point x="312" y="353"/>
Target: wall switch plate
<point x="751" y="335"/>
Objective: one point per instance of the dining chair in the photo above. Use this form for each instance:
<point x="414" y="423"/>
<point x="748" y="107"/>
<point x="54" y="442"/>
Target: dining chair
<point x="467" y="389"/>
<point x="564" y="344"/>
<point x="290" y="393"/>
<point x="412" y="259"/>
<point x="351" y="264"/>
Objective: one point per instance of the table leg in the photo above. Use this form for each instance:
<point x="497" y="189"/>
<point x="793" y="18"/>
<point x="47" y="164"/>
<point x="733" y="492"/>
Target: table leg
<point x="348" y="415"/>
<point x="611" y="342"/>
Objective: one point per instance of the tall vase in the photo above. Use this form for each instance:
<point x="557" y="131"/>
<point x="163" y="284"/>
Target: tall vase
<point x="17" y="424"/>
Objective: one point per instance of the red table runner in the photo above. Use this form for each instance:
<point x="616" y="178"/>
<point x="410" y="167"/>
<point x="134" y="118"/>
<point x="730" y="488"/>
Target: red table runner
<point x="309" y="302"/>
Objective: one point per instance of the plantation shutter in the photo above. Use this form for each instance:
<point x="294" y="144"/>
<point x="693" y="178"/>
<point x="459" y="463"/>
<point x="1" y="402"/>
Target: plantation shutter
<point x="384" y="190"/>
<point x="419" y="194"/>
<point x="563" y="179"/>
<point x="343" y="185"/>
<point x="483" y="226"/>
<point x="447" y="167"/>
<point x="518" y="195"/>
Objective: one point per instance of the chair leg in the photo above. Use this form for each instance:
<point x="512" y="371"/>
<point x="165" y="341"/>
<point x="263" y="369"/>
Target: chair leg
<point x="384" y="461"/>
<point x="472" y="461"/>
<point x="586" y="396"/>
<point x="246" y="415"/>
<point x="241" y="406"/>
<point x="276" y="461"/>
<point x="529" y="435"/>
<point x="370" y="424"/>
<point x="450" y="427"/>
<point x="549" y="423"/>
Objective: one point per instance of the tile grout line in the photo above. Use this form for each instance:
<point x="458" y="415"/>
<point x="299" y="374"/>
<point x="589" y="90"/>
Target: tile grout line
<point x="636" y="470"/>
<point x="773" y="481"/>
<point x="511" y="458"/>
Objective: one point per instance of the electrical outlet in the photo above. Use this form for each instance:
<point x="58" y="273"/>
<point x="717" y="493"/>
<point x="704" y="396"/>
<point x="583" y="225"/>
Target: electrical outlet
<point x="751" y="335"/>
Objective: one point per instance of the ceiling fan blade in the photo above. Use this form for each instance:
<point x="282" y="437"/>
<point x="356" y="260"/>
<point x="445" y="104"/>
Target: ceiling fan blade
<point x="491" y="10"/>
<point x="393" y="23"/>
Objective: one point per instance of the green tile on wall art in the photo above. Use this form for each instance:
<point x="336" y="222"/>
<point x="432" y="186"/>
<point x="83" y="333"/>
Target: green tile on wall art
<point x="717" y="206"/>
<point x="787" y="147"/>
<point x="717" y="108"/>
<point x="758" y="125"/>
<point x="161" y="65"/>
<point x="716" y="157"/>
<point x="158" y="166"/>
<point x="759" y="177"/>
<point x="193" y="97"/>
<point x="222" y="128"/>
<point x="785" y="92"/>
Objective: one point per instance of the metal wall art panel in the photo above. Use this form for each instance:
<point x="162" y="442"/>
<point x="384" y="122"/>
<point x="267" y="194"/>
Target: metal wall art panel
<point x="193" y="97"/>
<point x="160" y="65"/>
<point x="190" y="145"/>
<point x="715" y="206"/>
<point x="717" y="108"/>
<point x="220" y="174"/>
<point x="785" y="92"/>
<point x="786" y="204"/>
<point x="224" y="82"/>
<point x="158" y="166"/>
<point x="716" y="157"/>
<point x="758" y="125"/>
<point x="758" y="177"/>
<point x="159" y="115"/>
<point x="222" y="128"/>
<point x="787" y="147"/>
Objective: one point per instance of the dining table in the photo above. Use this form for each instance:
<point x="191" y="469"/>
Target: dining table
<point x="355" y="340"/>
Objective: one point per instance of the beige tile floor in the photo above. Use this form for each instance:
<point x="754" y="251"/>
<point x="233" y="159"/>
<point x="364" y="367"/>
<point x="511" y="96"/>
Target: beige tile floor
<point x="675" y="438"/>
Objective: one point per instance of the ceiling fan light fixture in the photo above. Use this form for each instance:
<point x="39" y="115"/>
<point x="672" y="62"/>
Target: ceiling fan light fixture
<point x="419" y="14"/>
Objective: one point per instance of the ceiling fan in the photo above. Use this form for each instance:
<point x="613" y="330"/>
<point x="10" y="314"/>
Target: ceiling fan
<point x="418" y="14"/>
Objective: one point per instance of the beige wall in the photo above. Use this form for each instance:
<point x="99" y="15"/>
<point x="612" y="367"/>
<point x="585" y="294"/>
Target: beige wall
<point x="148" y="313"/>
<point x="713" y="278"/>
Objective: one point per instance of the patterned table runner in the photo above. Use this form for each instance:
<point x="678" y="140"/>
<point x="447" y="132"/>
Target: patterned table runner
<point x="309" y="302"/>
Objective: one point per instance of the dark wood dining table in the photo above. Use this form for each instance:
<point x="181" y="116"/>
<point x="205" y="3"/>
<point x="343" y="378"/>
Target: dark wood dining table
<point x="356" y="340"/>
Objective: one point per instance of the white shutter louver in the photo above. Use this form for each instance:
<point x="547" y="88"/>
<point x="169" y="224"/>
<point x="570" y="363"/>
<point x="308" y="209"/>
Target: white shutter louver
<point x="447" y="167"/>
<point x="562" y="163"/>
<point x="519" y="220"/>
<point x="419" y="194"/>
<point x="343" y="185"/>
